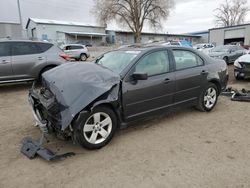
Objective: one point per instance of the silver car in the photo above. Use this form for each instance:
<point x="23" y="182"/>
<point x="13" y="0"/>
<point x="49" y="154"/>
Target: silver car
<point x="76" y="51"/>
<point x="27" y="60"/>
<point x="229" y="53"/>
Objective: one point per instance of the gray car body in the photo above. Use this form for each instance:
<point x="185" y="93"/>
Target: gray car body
<point x="94" y="85"/>
<point x="27" y="67"/>
<point x="231" y="55"/>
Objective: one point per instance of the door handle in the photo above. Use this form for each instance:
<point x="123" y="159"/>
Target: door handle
<point x="166" y="81"/>
<point x="40" y="58"/>
<point x="5" y="61"/>
<point x="203" y="72"/>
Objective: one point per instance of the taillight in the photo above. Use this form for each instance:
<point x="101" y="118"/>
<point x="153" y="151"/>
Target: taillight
<point x="65" y="56"/>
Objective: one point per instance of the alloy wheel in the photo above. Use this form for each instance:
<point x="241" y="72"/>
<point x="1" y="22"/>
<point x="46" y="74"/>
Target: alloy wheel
<point x="210" y="97"/>
<point x="97" y="128"/>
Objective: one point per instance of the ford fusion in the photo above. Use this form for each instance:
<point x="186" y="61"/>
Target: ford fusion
<point x="90" y="101"/>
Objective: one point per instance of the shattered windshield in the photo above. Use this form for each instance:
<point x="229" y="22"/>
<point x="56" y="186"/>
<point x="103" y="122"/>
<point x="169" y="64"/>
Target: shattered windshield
<point x="117" y="61"/>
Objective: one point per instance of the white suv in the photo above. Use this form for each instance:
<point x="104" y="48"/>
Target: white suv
<point x="76" y="51"/>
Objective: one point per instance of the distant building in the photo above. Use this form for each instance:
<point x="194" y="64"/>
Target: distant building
<point x="62" y="32"/>
<point x="12" y="30"/>
<point x="232" y="34"/>
<point x="127" y="37"/>
<point x="203" y="34"/>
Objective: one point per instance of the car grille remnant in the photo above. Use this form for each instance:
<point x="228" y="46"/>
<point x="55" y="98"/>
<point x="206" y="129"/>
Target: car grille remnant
<point x="31" y="148"/>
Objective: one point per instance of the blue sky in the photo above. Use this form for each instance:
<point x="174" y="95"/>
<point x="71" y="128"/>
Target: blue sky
<point x="187" y="16"/>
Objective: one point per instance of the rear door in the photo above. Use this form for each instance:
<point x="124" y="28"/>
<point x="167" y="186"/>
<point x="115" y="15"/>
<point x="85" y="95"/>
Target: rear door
<point x="143" y="97"/>
<point x="190" y="75"/>
<point x="5" y="62"/>
<point x="25" y="57"/>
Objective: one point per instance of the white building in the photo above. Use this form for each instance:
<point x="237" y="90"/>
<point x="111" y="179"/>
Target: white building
<point x="231" y="34"/>
<point x="63" y="32"/>
<point x="10" y="29"/>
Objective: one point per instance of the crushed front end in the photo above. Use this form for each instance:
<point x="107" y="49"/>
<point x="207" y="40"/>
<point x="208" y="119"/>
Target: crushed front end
<point x="46" y="112"/>
<point x="45" y="108"/>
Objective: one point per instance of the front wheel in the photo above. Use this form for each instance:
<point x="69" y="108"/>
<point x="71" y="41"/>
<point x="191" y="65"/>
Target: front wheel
<point x="208" y="98"/>
<point x="96" y="129"/>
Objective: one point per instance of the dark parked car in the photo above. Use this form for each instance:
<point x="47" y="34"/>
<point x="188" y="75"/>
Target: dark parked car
<point x="242" y="67"/>
<point x="229" y="53"/>
<point x="124" y="86"/>
<point x="26" y="60"/>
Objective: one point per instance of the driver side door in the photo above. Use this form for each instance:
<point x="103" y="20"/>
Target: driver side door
<point x="144" y="97"/>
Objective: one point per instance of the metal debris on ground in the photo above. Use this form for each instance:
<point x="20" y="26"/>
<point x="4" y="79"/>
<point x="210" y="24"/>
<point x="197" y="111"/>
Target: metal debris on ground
<point x="243" y="95"/>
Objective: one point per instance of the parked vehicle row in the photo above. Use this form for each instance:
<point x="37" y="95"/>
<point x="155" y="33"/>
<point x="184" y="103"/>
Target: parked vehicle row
<point x="123" y="86"/>
<point x="229" y="53"/>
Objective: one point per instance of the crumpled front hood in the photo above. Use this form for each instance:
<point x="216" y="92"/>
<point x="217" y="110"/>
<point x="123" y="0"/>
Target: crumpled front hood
<point x="76" y="85"/>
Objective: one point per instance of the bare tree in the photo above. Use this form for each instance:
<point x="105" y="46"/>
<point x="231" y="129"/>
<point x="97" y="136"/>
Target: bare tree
<point x="231" y="12"/>
<point x="133" y="13"/>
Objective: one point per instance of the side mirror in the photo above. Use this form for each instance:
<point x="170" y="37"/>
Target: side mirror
<point x="140" y="76"/>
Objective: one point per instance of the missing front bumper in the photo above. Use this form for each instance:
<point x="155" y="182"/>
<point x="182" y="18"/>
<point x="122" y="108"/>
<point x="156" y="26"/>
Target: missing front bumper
<point x="32" y="148"/>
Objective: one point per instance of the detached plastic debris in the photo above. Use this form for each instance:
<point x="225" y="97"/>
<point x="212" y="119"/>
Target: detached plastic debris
<point x="243" y="95"/>
<point x="32" y="148"/>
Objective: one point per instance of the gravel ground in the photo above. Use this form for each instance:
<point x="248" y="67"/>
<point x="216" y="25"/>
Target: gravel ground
<point x="184" y="149"/>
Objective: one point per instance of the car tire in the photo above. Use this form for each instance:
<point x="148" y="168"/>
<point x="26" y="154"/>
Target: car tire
<point x="92" y="132"/>
<point x="237" y="77"/>
<point x="83" y="57"/>
<point x="226" y="59"/>
<point x="208" y="98"/>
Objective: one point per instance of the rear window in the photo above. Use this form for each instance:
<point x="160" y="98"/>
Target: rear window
<point x="43" y="47"/>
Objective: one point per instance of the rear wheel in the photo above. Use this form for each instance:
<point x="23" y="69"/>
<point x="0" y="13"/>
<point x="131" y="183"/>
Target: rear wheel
<point x="83" y="57"/>
<point x="208" y="98"/>
<point x="96" y="129"/>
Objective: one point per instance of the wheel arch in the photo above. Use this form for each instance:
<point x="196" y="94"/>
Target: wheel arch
<point x="113" y="105"/>
<point x="44" y="68"/>
<point x="217" y="83"/>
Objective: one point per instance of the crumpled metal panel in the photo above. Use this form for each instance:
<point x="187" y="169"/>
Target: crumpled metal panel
<point x="76" y="85"/>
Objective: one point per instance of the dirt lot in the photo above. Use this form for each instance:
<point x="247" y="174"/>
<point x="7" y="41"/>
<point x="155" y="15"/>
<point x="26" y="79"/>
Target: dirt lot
<point x="184" y="149"/>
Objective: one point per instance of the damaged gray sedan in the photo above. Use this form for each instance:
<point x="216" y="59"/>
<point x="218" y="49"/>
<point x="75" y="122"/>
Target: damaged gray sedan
<point x="90" y="101"/>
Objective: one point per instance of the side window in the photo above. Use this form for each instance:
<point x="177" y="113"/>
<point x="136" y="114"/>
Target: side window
<point x="4" y="49"/>
<point x="186" y="59"/>
<point x="43" y="47"/>
<point x="24" y="48"/>
<point x="76" y="47"/>
<point x="154" y="63"/>
<point x="67" y="48"/>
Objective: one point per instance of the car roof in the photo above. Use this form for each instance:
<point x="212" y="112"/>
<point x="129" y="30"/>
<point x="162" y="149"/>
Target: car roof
<point x="24" y="40"/>
<point x="153" y="47"/>
<point x="73" y="45"/>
